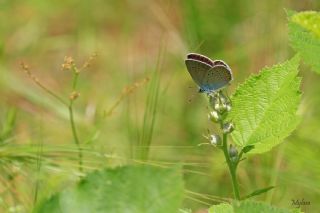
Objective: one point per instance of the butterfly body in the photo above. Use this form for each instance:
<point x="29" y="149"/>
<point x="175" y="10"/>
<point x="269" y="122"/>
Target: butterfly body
<point x="210" y="75"/>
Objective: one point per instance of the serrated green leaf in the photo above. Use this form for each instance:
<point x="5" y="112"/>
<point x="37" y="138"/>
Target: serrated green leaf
<point x="221" y="208"/>
<point x="309" y="20"/>
<point x="133" y="189"/>
<point x="259" y="192"/>
<point x="304" y="36"/>
<point x="264" y="107"/>
<point x="249" y="206"/>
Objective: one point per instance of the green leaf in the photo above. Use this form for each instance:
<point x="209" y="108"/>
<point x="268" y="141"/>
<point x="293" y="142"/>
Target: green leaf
<point x="258" y="207"/>
<point x="309" y="20"/>
<point x="247" y="148"/>
<point x="133" y="189"/>
<point x="259" y="192"/>
<point x="185" y="211"/>
<point x="304" y="36"/>
<point x="249" y="206"/>
<point x="221" y="208"/>
<point x="264" y="107"/>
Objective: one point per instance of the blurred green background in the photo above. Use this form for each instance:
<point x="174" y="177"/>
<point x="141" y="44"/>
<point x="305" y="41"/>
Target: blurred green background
<point x="131" y="37"/>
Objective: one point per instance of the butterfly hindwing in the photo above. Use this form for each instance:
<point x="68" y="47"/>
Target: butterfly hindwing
<point x="216" y="78"/>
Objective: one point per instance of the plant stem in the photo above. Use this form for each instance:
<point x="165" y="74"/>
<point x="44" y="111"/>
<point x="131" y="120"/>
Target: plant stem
<point x="232" y="167"/>
<point x="75" y="136"/>
<point x="73" y="126"/>
<point x="75" y="78"/>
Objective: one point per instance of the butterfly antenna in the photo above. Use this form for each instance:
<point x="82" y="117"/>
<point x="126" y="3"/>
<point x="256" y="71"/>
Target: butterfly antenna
<point x="206" y="137"/>
<point x="229" y="99"/>
<point x="198" y="46"/>
<point x="201" y="144"/>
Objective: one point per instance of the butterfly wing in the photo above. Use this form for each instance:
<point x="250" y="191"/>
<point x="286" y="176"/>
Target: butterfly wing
<point x="209" y="75"/>
<point x="201" y="58"/>
<point x="197" y="70"/>
<point x="216" y="78"/>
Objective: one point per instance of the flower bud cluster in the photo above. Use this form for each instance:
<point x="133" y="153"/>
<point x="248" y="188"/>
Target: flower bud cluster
<point x="220" y="105"/>
<point x="219" y="102"/>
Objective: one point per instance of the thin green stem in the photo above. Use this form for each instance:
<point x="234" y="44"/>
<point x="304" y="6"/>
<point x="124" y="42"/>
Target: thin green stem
<point x="75" y="79"/>
<point x="75" y="135"/>
<point x="232" y="166"/>
<point x="53" y="95"/>
<point x="71" y="116"/>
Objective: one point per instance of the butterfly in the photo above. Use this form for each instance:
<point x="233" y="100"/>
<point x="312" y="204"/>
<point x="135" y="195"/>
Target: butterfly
<point x="210" y="75"/>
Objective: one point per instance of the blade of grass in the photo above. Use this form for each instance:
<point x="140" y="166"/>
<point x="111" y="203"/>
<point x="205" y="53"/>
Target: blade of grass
<point x="151" y="108"/>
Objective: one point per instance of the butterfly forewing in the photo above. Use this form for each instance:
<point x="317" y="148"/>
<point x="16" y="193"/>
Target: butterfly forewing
<point x="197" y="70"/>
<point x="201" y="58"/>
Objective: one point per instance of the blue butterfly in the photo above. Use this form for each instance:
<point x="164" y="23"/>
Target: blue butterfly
<point x="210" y="75"/>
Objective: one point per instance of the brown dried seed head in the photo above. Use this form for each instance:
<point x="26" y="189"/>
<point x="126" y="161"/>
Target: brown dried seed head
<point x="68" y="63"/>
<point x="89" y="61"/>
<point x="24" y="66"/>
<point x="74" y="95"/>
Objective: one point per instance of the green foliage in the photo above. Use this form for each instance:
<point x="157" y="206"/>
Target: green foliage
<point x="185" y="211"/>
<point x="259" y="192"/>
<point x="304" y="35"/>
<point x="150" y="113"/>
<point x="221" y="208"/>
<point x="8" y="125"/>
<point x="248" y="206"/>
<point x="309" y="20"/>
<point x="257" y="207"/>
<point x="37" y="154"/>
<point x="264" y="107"/>
<point x="248" y="148"/>
<point x="125" y="189"/>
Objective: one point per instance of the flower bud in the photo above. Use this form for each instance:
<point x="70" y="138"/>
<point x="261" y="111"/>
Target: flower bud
<point x="219" y="102"/>
<point x="228" y="107"/>
<point x="219" y="108"/>
<point x="225" y="101"/>
<point x="222" y="98"/>
<point x="228" y="128"/>
<point x="214" y="116"/>
<point x="233" y="153"/>
<point x="214" y="100"/>
<point x="214" y="139"/>
<point x="74" y="95"/>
